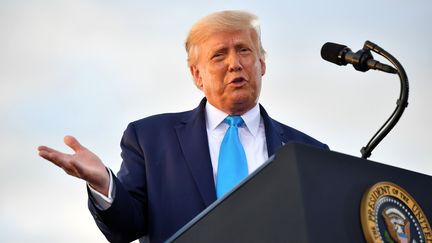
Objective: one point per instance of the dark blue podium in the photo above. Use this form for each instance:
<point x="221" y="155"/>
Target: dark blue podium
<point x="302" y="194"/>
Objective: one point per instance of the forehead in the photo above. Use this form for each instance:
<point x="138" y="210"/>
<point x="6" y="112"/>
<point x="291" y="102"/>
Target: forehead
<point x="224" y="39"/>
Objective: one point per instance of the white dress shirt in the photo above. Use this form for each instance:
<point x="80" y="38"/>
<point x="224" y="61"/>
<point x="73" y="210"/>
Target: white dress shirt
<point x="251" y="133"/>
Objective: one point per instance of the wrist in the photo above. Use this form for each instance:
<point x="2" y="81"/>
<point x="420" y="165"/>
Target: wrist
<point x="102" y="185"/>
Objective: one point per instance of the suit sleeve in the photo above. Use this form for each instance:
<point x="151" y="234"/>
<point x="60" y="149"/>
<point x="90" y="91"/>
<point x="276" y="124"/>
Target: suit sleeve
<point x="127" y="218"/>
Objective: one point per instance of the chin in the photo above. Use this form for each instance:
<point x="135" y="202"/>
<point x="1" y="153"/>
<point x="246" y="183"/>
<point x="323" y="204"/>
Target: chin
<point x="239" y="107"/>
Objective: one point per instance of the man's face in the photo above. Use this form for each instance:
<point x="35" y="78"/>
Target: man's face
<point x="229" y="70"/>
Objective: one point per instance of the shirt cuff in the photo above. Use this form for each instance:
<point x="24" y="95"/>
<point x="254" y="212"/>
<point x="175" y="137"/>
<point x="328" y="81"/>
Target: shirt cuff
<point x="101" y="201"/>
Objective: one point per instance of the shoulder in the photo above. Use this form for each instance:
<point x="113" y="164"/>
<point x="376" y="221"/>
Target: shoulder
<point x="163" y="118"/>
<point x="163" y="127"/>
<point x="168" y="120"/>
<point x="152" y="131"/>
<point x="288" y="134"/>
<point x="159" y="122"/>
<point x="293" y="135"/>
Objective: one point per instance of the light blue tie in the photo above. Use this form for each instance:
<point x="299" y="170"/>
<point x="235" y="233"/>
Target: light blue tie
<point x="232" y="164"/>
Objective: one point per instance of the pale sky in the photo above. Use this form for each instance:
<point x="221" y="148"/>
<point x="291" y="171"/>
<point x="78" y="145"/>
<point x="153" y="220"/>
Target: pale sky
<point x="88" y="68"/>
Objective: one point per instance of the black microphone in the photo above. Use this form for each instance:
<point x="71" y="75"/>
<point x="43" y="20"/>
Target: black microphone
<point x="362" y="60"/>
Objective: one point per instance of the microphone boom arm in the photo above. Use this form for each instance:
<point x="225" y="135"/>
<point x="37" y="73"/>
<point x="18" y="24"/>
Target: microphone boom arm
<point x="401" y="103"/>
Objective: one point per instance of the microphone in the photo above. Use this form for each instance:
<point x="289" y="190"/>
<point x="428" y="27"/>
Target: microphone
<point x="362" y="60"/>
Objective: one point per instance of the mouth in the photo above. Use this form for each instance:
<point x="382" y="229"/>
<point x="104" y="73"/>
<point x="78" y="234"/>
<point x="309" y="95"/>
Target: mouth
<point x="239" y="81"/>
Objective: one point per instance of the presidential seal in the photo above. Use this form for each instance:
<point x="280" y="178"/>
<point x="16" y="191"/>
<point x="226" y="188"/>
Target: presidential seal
<point x="389" y="214"/>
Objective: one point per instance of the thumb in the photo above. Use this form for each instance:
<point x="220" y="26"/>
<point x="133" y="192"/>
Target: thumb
<point x="73" y="143"/>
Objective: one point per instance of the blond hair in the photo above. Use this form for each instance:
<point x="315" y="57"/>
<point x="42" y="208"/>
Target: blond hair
<point x="229" y="20"/>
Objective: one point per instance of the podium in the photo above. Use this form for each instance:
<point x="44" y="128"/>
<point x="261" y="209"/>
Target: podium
<point x="302" y="194"/>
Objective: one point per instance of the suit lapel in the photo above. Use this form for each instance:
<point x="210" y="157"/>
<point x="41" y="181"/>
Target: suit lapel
<point x="192" y="135"/>
<point x="273" y="132"/>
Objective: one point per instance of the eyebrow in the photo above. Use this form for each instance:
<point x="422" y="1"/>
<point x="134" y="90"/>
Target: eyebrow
<point x="236" y="46"/>
<point x="221" y="49"/>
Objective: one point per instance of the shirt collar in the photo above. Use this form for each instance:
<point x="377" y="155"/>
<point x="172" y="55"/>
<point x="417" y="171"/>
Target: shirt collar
<point x="214" y="117"/>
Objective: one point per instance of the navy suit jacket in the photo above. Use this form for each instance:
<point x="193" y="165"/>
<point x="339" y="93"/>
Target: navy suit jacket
<point x="166" y="177"/>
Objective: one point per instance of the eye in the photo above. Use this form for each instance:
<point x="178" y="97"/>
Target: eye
<point x="217" y="56"/>
<point x="245" y="50"/>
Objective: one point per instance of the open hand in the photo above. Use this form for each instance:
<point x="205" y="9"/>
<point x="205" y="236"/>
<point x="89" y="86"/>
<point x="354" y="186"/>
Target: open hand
<point x="83" y="164"/>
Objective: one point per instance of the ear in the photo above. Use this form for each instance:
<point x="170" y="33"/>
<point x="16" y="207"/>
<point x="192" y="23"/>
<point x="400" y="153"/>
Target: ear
<point x="196" y="76"/>
<point x="263" y="66"/>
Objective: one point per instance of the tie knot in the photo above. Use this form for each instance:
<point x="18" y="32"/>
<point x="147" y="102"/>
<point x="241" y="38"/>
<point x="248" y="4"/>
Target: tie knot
<point x="234" y="121"/>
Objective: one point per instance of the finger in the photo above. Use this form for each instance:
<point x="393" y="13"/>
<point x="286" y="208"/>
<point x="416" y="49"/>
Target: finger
<point x="57" y="158"/>
<point x="73" y="143"/>
<point x="46" y="149"/>
<point x="61" y="160"/>
<point x="46" y="152"/>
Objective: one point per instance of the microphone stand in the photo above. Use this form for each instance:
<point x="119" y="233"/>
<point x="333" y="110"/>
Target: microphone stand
<point x="401" y="103"/>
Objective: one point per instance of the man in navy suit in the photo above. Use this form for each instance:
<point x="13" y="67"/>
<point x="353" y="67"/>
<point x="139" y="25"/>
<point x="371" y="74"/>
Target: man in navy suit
<point x="170" y="161"/>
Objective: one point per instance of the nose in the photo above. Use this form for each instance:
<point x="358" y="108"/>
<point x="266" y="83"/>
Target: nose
<point x="234" y="63"/>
